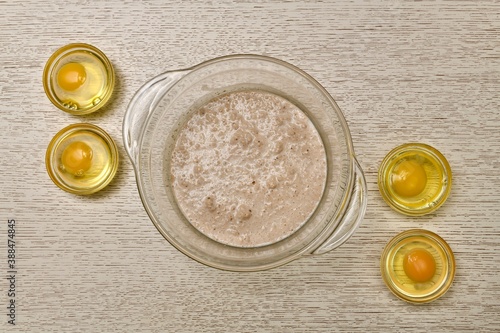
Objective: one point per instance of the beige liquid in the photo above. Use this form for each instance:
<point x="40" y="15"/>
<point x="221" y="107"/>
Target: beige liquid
<point x="248" y="169"/>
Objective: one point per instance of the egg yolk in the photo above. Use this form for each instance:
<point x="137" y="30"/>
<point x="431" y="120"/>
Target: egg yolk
<point x="419" y="265"/>
<point x="409" y="178"/>
<point x="71" y="76"/>
<point x="77" y="158"/>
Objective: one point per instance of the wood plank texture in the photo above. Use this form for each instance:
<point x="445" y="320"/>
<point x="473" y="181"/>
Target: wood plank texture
<point x="401" y="71"/>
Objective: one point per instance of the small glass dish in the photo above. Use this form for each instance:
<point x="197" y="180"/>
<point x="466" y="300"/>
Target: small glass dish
<point x="82" y="159"/>
<point x="397" y="276"/>
<point x="414" y="179"/>
<point x="78" y="79"/>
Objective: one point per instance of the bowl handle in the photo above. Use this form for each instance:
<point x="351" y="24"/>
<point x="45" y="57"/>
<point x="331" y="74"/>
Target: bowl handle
<point x="141" y="106"/>
<point x="353" y="215"/>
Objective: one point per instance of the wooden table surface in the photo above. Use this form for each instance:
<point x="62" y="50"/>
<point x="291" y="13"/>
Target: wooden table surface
<point x="401" y="71"/>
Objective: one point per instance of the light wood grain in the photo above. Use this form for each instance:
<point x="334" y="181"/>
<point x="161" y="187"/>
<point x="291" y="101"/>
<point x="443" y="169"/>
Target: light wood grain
<point x="426" y="71"/>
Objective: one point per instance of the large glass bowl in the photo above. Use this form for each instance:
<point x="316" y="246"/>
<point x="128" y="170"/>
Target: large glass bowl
<point x="161" y="107"/>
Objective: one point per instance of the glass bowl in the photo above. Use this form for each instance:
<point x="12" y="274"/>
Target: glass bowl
<point x="82" y="159"/>
<point x="393" y="273"/>
<point x="162" y="106"/>
<point x="435" y="185"/>
<point x="83" y="95"/>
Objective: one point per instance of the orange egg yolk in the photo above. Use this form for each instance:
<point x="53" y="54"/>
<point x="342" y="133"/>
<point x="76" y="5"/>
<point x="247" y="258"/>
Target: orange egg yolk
<point x="77" y="158"/>
<point x="419" y="265"/>
<point x="409" y="178"/>
<point x="71" y="76"/>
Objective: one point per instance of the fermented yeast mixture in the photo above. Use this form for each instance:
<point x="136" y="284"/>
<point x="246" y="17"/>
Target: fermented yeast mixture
<point x="248" y="168"/>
